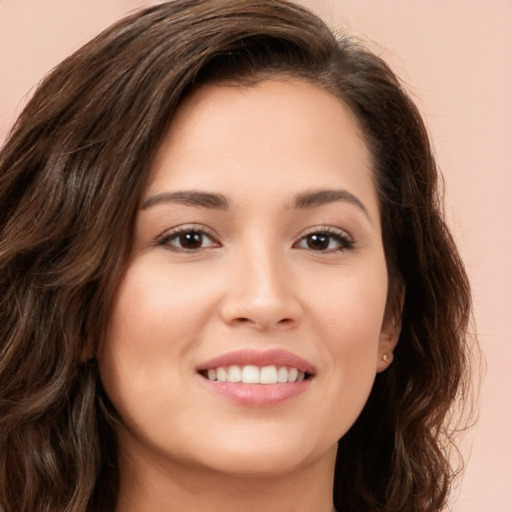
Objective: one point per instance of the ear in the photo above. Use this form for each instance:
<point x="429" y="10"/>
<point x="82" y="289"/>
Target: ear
<point x="390" y="332"/>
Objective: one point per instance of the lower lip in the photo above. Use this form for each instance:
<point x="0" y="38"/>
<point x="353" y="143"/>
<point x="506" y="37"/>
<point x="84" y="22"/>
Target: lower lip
<point x="258" y="395"/>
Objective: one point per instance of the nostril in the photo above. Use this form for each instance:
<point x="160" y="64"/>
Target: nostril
<point x="245" y="320"/>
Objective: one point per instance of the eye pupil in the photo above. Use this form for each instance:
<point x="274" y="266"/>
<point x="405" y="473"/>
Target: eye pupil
<point x="191" y="240"/>
<point x="318" y="241"/>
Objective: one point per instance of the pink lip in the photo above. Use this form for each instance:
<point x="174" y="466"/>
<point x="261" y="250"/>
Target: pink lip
<point x="258" y="395"/>
<point x="259" y="358"/>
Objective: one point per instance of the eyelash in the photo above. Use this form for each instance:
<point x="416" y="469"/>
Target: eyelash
<point x="166" y="239"/>
<point x="341" y="238"/>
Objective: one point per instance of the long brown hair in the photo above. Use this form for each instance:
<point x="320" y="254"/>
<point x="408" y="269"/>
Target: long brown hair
<point x="71" y="176"/>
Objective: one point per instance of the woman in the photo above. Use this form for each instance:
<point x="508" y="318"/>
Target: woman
<point x="227" y="282"/>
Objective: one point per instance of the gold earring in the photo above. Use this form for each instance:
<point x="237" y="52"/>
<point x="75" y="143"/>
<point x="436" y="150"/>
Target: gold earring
<point x="388" y="357"/>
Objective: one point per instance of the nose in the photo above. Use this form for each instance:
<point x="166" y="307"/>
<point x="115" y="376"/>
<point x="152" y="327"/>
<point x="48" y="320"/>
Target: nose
<point x="261" y="292"/>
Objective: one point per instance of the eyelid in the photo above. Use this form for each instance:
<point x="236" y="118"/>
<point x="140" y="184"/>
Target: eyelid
<point x="164" y="238"/>
<point x="348" y="241"/>
<point x="331" y="230"/>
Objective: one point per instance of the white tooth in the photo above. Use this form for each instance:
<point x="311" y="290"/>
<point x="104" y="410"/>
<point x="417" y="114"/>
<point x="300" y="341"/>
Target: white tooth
<point x="282" y="374"/>
<point x="250" y="374"/>
<point x="234" y="374"/>
<point x="292" y="374"/>
<point x="300" y="377"/>
<point x="212" y="374"/>
<point x="268" y="375"/>
<point x="222" y="374"/>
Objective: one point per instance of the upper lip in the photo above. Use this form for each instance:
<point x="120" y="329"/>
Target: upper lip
<point x="259" y="358"/>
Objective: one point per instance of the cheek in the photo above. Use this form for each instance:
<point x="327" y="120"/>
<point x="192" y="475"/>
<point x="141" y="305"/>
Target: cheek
<point x="154" y="309"/>
<point x="349" y="316"/>
<point x="154" y="324"/>
<point x="350" y="306"/>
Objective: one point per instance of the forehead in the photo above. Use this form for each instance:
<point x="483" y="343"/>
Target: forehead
<point x="287" y="134"/>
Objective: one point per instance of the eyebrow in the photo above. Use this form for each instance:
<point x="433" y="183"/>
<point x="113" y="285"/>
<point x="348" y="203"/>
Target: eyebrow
<point x="311" y="199"/>
<point x="189" y="198"/>
<point x="210" y="200"/>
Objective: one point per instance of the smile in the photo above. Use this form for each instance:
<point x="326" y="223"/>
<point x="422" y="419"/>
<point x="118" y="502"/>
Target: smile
<point x="257" y="378"/>
<point x="251" y="374"/>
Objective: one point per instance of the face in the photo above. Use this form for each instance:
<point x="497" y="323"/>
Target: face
<point x="258" y="257"/>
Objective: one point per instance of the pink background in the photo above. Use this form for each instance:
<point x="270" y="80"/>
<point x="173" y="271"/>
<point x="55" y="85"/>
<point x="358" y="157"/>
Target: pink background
<point x="456" y="59"/>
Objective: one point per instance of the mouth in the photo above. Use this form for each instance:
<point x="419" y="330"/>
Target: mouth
<point x="252" y="374"/>
<point x="257" y="378"/>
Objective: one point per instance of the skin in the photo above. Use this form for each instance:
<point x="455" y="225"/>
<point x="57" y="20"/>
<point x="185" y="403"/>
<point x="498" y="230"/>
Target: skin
<point x="255" y="281"/>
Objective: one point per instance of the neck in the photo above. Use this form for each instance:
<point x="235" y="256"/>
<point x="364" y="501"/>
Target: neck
<point x="171" y="487"/>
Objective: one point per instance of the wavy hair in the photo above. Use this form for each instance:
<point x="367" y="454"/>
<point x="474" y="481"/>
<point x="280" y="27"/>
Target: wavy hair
<point x="71" y="178"/>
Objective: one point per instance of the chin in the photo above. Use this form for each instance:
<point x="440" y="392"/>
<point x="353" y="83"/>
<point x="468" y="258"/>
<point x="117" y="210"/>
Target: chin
<point x="258" y="455"/>
<point x="259" y="464"/>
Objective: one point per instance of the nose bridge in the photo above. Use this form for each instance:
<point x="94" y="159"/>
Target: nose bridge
<point x="261" y="291"/>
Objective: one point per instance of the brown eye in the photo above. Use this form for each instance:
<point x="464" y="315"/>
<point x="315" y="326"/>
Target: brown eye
<point x="190" y="240"/>
<point x="318" y="241"/>
<point x="187" y="240"/>
<point x="326" y="240"/>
